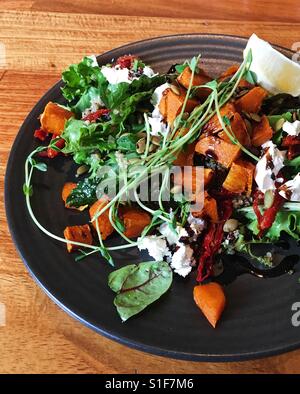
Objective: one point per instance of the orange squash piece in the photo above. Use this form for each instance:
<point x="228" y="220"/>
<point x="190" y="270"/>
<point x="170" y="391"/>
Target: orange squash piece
<point x="135" y="220"/>
<point x="239" y="129"/>
<point x="213" y="125"/>
<point x="224" y="152"/>
<point x="236" y="180"/>
<point x="54" y="117"/>
<point x="230" y="72"/>
<point x="262" y="132"/>
<point x="171" y="104"/>
<point x="66" y="191"/>
<point x="78" y="234"/>
<point x="251" y="102"/>
<point x="249" y="167"/>
<point x="188" y="178"/>
<point x="104" y="224"/>
<point x="240" y="177"/>
<point x="186" y="156"/>
<point x="210" y="298"/>
<point x="210" y="209"/>
<point x="200" y="78"/>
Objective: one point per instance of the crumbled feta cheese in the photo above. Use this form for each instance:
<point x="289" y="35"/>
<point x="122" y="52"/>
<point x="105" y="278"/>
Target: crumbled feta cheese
<point x="96" y="103"/>
<point x="148" y="72"/>
<point x="196" y="224"/>
<point x="115" y="75"/>
<point x="269" y="166"/>
<point x="182" y="260"/>
<point x="292" y="128"/>
<point x="156" y="247"/>
<point x="291" y="189"/>
<point x="158" y="93"/>
<point x="171" y="236"/>
<point x="158" y="126"/>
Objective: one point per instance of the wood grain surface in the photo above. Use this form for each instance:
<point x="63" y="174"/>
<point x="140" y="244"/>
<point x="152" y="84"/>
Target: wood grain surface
<point x="38" y="337"/>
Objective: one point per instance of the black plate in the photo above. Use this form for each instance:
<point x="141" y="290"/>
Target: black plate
<point x="257" y="320"/>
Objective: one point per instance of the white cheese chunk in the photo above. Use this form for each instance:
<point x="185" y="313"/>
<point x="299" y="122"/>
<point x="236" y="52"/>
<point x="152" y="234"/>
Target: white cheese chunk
<point x="291" y="189"/>
<point x="158" y="126"/>
<point x="196" y="224"/>
<point x="156" y="247"/>
<point x="171" y="236"/>
<point x="115" y="75"/>
<point x="148" y="72"/>
<point x="182" y="260"/>
<point x="292" y="128"/>
<point x="96" y="103"/>
<point x="269" y="166"/>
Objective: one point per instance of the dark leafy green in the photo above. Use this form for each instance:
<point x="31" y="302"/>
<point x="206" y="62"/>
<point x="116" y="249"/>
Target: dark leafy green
<point x="114" y="95"/>
<point x="273" y="119"/>
<point x="127" y="142"/>
<point x="84" y="193"/>
<point x="280" y="103"/>
<point x="138" y="286"/>
<point x="85" y="101"/>
<point x="78" y="78"/>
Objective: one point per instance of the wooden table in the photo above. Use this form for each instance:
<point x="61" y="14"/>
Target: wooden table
<point x="41" y="38"/>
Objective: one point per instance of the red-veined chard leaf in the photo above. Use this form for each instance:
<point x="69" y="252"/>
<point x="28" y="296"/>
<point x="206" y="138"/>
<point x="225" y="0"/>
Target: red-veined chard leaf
<point x="138" y="286"/>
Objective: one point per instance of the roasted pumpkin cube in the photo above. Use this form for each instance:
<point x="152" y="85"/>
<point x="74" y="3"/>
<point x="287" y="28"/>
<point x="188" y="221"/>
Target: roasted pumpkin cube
<point x="249" y="167"/>
<point x="262" y="132"/>
<point x="186" y="156"/>
<point x="210" y="298"/>
<point x="223" y="152"/>
<point x="54" y="117"/>
<point x="251" y="102"/>
<point x="230" y="72"/>
<point x="239" y="129"/>
<point x="188" y="178"/>
<point x="171" y="104"/>
<point x="236" y="180"/>
<point x="104" y="224"/>
<point x="200" y="78"/>
<point x="213" y="125"/>
<point x="135" y="220"/>
<point x="80" y="234"/>
<point x="210" y="208"/>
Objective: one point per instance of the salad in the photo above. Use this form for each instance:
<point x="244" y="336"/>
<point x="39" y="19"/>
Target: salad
<point x="188" y="168"/>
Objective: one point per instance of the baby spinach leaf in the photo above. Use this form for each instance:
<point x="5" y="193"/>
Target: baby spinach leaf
<point x="138" y="286"/>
